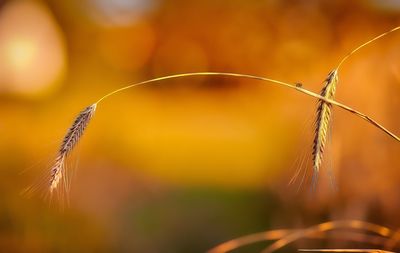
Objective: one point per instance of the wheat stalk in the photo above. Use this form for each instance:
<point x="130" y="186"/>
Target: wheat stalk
<point x="76" y="130"/>
<point x="325" y="99"/>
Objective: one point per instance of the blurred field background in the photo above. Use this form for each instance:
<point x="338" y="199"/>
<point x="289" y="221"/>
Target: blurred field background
<point x="183" y="165"/>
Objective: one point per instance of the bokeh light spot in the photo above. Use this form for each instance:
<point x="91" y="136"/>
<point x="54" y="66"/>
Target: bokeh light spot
<point x="21" y="53"/>
<point x="32" y="50"/>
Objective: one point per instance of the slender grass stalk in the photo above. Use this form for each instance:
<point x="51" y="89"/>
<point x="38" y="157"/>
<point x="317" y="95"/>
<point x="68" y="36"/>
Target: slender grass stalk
<point x="236" y="243"/>
<point x="347" y="250"/>
<point x="325" y="102"/>
<point x="329" y="226"/>
<point x="365" y="44"/>
<point x="284" y="237"/>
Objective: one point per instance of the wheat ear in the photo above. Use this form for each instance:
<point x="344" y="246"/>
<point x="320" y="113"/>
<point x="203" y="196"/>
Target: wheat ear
<point x="70" y="140"/>
<point x="322" y="123"/>
<point x="324" y="109"/>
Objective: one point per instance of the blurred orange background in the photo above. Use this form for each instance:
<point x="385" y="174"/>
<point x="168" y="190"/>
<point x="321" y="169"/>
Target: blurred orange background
<point x="182" y="165"/>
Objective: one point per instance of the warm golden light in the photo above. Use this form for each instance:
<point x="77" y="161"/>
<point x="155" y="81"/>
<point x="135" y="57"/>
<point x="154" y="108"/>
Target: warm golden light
<point x="20" y="53"/>
<point x="187" y="163"/>
<point x="32" y="56"/>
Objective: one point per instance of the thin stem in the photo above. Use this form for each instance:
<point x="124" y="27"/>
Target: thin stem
<point x="287" y="85"/>
<point x="365" y="44"/>
<point x="318" y="231"/>
<point x="193" y="74"/>
<point x="346" y="250"/>
<point x="328" y="226"/>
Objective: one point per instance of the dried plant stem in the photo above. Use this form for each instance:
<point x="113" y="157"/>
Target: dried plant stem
<point x="346" y="250"/>
<point x="249" y="239"/>
<point x="325" y="101"/>
<point x="287" y="85"/>
<point x="279" y="234"/>
<point x="286" y="236"/>
<point x="365" y="44"/>
<point x="327" y="226"/>
<point x="83" y="118"/>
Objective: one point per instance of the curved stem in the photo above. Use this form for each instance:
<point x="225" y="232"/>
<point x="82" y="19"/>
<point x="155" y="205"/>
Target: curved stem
<point x="193" y="74"/>
<point x="287" y="85"/>
<point x="318" y="231"/>
<point x="365" y="44"/>
<point x="328" y="226"/>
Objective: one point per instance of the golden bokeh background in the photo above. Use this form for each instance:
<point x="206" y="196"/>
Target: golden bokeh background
<point x="182" y="165"/>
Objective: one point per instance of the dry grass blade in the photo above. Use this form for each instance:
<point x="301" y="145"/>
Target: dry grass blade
<point x="70" y="140"/>
<point x="279" y="234"/>
<point x="280" y="83"/>
<point x="365" y="44"/>
<point x="249" y="239"/>
<point x="76" y="130"/>
<point x="347" y="250"/>
<point x="327" y="226"/>
<point x="323" y="115"/>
